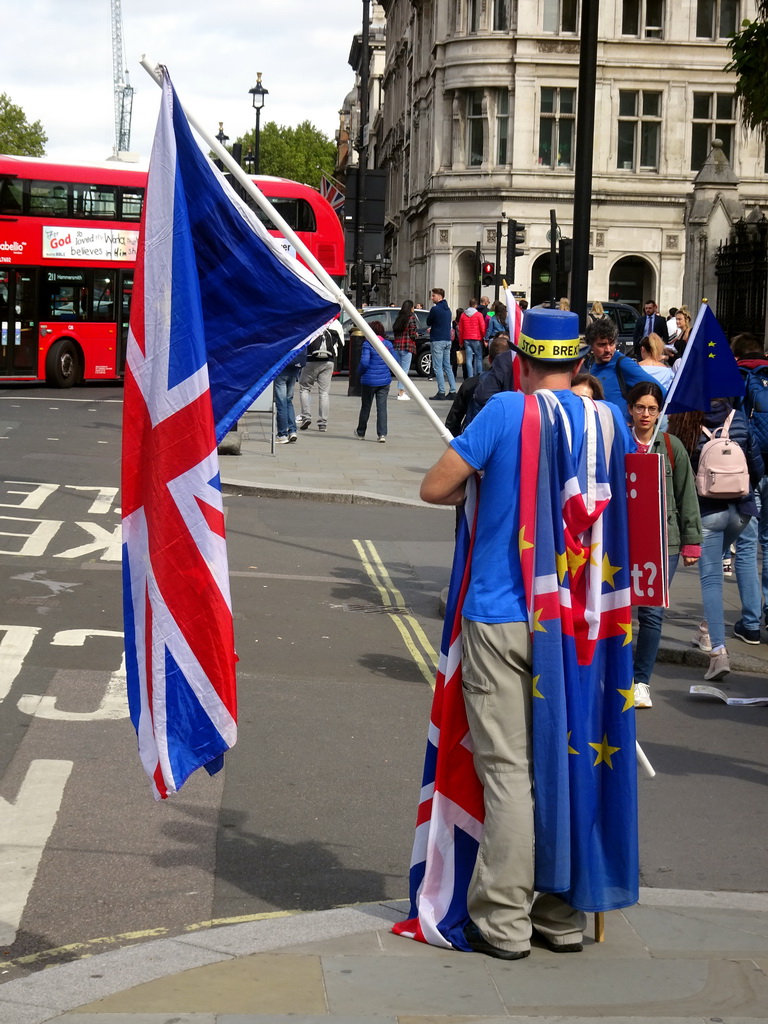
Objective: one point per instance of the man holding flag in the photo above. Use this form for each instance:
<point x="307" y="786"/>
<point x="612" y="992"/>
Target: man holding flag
<point x="535" y="679"/>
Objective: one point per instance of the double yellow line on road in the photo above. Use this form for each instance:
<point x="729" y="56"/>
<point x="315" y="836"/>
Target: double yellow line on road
<point x="414" y="638"/>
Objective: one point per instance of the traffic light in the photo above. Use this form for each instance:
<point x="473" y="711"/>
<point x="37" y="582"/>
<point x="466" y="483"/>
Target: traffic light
<point x="488" y="274"/>
<point x="565" y="256"/>
<point x="515" y="239"/>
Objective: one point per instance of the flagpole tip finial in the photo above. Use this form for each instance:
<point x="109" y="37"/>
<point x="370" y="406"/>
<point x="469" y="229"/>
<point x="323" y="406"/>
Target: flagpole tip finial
<point x="705" y="300"/>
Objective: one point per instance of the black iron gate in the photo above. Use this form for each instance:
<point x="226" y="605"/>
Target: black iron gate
<point x="741" y="266"/>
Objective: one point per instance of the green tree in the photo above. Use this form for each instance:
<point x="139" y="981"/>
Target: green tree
<point x="749" y="49"/>
<point x="17" y="136"/>
<point x="303" y="153"/>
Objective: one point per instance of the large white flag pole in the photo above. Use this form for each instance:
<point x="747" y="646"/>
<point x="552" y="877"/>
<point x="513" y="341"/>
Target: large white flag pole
<point x="154" y="70"/>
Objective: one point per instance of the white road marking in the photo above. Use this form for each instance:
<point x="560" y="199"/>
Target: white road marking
<point x="36" y="542"/>
<point x="25" y="827"/>
<point x="14" y="647"/>
<point x="32" y="499"/>
<point x="103" y="540"/>
<point x="103" y="500"/>
<point x="114" y="703"/>
<point x="77" y="637"/>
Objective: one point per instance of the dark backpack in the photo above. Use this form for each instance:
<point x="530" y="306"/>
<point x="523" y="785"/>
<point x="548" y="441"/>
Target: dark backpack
<point x="756" y="405"/>
<point x="323" y="346"/>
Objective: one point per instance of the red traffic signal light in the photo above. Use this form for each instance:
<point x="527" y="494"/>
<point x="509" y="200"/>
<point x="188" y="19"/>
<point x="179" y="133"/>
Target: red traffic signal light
<point x="488" y="273"/>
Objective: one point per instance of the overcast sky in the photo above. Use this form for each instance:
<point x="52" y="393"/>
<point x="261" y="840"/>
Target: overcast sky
<point x="56" y="63"/>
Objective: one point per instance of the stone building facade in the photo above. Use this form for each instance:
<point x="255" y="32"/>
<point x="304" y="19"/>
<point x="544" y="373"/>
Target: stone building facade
<point x="477" y="123"/>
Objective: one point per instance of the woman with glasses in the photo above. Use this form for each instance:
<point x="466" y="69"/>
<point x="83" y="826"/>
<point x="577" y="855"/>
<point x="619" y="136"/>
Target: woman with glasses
<point x="683" y="522"/>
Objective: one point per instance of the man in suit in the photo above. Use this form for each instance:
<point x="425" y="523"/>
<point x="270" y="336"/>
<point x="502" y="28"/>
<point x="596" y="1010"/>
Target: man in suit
<point x="650" y="323"/>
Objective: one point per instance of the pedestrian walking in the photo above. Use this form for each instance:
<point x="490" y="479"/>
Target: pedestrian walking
<point x="439" y="323"/>
<point x="406" y="331"/>
<point x="471" y="333"/>
<point x="375" y="378"/>
<point x="321" y="354"/>
<point x="723" y="519"/>
<point x="285" y="382"/>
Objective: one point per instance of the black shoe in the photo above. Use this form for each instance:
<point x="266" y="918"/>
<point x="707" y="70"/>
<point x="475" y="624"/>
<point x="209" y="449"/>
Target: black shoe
<point x="439" y="397"/>
<point x="749" y="636"/>
<point x="476" y="942"/>
<point x="451" y="394"/>
<point x="558" y="947"/>
<point x="304" y="425"/>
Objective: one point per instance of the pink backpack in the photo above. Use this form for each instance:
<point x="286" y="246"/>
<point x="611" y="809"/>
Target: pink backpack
<point x="723" y="471"/>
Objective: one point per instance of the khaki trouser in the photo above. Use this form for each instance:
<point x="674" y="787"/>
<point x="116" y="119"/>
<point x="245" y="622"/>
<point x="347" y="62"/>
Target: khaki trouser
<point x="497" y="694"/>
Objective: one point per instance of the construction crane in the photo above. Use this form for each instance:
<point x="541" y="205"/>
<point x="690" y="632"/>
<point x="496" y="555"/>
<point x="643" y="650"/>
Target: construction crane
<point x="123" y="90"/>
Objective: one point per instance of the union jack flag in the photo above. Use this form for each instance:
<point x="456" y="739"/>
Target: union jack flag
<point x="329" y="190"/>
<point x="208" y="332"/>
<point x="572" y="530"/>
<point x="514" y="316"/>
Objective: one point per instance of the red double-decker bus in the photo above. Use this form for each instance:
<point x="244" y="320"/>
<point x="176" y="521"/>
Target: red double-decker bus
<point x="68" y="242"/>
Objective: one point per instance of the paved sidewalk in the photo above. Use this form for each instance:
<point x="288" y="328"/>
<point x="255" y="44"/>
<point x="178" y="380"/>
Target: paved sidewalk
<point x="677" y="957"/>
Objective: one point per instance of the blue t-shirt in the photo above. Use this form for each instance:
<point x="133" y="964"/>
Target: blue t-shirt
<point x="492" y="442"/>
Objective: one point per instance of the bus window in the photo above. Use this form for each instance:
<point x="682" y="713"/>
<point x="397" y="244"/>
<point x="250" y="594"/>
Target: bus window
<point x="131" y="201"/>
<point x="64" y="297"/>
<point x="48" y="199"/>
<point x="297" y="212"/>
<point x="103" y="296"/>
<point x="98" y="201"/>
<point x="11" y="195"/>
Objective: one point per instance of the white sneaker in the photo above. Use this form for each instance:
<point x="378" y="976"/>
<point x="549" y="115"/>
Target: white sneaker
<point x="643" y="696"/>
<point x="282" y="440"/>
<point x="702" y="639"/>
<point x="382" y="439"/>
<point x="403" y="397"/>
<point x="719" y="665"/>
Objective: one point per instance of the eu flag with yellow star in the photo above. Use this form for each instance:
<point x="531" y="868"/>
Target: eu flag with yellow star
<point x="575" y="558"/>
<point x="707" y="370"/>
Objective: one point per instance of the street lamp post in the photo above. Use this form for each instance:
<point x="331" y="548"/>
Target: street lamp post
<point x="222" y="140"/>
<point x="258" y="95"/>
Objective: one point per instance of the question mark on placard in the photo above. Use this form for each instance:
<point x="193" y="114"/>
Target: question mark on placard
<point x="652" y="570"/>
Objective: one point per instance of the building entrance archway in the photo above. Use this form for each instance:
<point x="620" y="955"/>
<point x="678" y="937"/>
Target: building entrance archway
<point x="541" y="282"/>
<point x="466" y="285"/>
<point x="632" y="280"/>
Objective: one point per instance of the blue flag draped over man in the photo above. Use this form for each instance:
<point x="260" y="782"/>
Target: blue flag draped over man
<point x="563" y="521"/>
<point x="208" y="332"/>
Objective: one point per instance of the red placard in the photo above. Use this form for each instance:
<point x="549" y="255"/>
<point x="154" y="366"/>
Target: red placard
<point x="647" y="520"/>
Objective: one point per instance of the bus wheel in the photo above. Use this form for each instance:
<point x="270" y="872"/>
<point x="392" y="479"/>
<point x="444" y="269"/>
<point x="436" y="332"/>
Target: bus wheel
<point x="62" y="365"/>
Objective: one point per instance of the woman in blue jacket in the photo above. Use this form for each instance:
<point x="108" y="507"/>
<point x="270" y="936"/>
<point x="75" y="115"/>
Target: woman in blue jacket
<point x="375" y="378"/>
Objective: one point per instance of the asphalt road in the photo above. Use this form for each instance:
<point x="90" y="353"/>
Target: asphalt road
<point x="337" y="628"/>
<point x="317" y="802"/>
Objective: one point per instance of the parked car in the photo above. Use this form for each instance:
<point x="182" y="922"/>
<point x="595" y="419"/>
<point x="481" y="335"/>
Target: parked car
<point x="625" y="317"/>
<point x="422" y="363"/>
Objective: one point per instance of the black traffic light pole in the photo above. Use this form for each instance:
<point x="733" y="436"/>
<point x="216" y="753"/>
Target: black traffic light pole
<point x="497" y="282"/>
<point x="515" y="238"/>
<point x="552" y="258"/>
<point x="582" y="184"/>
<point x="362" y="159"/>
